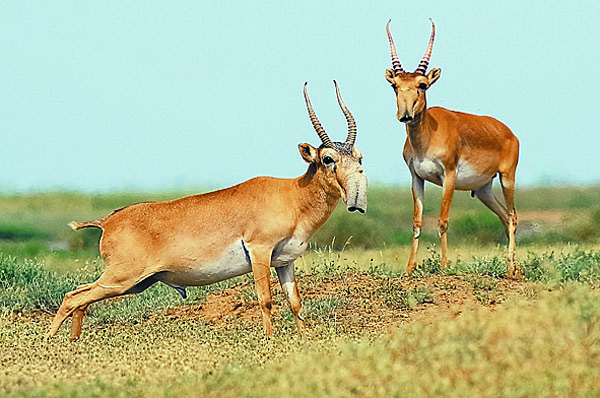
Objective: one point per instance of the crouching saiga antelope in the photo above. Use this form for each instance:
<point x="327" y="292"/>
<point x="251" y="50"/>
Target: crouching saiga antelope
<point x="198" y="240"/>
<point x="454" y="150"/>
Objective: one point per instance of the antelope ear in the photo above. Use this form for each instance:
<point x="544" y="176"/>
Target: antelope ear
<point x="389" y="75"/>
<point x="433" y="75"/>
<point x="308" y="152"/>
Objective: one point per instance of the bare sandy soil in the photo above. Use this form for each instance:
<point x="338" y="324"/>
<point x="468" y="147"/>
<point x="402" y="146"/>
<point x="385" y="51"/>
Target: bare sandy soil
<point x="362" y="301"/>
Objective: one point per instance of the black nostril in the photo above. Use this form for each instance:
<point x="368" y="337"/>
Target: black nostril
<point x="405" y="119"/>
<point x="353" y="208"/>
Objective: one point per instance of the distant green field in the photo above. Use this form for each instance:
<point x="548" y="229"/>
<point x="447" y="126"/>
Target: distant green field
<point x="36" y="225"/>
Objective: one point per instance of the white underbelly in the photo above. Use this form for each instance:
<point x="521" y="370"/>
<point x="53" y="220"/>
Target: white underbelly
<point x="234" y="261"/>
<point x="470" y="179"/>
<point x="467" y="177"/>
<point x="430" y="170"/>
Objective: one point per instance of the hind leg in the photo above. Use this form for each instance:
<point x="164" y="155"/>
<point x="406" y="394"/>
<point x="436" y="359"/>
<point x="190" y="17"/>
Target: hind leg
<point x="507" y="179"/>
<point x="485" y="195"/>
<point x="75" y="302"/>
<point x="63" y="311"/>
<point x="76" y="323"/>
<point x="77" y="318"/>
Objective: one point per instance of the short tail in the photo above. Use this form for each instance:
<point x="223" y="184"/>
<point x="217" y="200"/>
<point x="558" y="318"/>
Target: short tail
<point x="75" y="225"/>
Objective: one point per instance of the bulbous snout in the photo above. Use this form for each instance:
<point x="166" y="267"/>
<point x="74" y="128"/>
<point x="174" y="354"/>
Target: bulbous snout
<point x="356" y="193"/>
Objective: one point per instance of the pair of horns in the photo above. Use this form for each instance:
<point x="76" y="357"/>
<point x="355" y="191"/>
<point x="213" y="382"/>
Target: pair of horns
<point x="422" y="68"/>
<point x="351" y="139"/>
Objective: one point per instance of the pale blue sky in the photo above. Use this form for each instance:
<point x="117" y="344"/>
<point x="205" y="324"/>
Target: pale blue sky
<point x="159" y="95"/>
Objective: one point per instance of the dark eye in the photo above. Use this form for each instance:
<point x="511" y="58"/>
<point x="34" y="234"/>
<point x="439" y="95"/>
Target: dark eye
<point x="360" y="161"/>
<point x="327" y="160"/>
<point x="422" y="86"/>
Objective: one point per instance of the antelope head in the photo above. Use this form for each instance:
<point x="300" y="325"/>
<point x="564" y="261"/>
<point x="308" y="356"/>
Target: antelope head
<point x="410" y="87"/>
<point x="338" y="163"/>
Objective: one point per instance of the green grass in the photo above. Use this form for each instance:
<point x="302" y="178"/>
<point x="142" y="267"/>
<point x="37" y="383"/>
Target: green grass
<point x="481" y="283"/>
<point x="396" y="296"/>
<point x="579" y="266"/>
<point x="26" y="285"/>
<point x="575" y="265"/>
<point x="322" y="309"/>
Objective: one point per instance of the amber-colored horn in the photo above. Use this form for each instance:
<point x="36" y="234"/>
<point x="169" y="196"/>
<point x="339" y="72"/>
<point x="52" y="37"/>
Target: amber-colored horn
<point x="315" y="121"/>
<point x="422" y="68"/>
<point x="395" y="61"/>
<point x="351" y="139"/>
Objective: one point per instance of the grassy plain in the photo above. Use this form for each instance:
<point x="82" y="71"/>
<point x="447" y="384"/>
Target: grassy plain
<point x="461" y="331"/>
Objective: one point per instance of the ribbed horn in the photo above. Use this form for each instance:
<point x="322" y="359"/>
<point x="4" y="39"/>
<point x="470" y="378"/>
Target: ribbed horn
<point x="422" y="68"/>
<point x="315" y="121"/>
<point x="395" y="61"/>
<point x="351" y="139"/>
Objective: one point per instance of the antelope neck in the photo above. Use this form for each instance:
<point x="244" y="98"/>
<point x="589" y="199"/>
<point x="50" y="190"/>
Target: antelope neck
<point x="315" y="195"/>
<point x="417" y="131"/>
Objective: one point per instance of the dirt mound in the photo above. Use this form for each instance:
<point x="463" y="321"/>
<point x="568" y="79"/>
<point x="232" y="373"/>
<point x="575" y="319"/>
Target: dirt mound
<point x="359" y="301"/>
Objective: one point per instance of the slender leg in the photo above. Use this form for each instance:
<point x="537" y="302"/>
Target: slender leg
<point x="76" y="323"/>
<point x="75" y="302"/>
<point x="485" y="195"/>
<point x="508" y="189"/>
<point x="418" y="191"/>
<point x="261" y="268"/>
<point x="77" y="320"/>
<point x="448" y="187"/>
<point x="290" y="288"/>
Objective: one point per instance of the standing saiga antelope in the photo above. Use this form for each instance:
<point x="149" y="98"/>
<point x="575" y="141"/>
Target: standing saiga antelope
<point x="198" y="240"/>
<point x="454" y="150"/>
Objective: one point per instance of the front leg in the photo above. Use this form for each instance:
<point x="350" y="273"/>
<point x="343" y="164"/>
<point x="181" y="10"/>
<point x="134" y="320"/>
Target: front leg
<point x="287" y="280"/>
<point x="448" y="188"/>
<point x="260" y="257"/>
<point x="418" y="192"/>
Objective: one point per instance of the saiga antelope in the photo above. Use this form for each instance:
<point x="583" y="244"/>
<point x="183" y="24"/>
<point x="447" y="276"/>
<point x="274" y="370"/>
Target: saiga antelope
<point x="454" y="150"/>
<point x="198" y="240"/>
